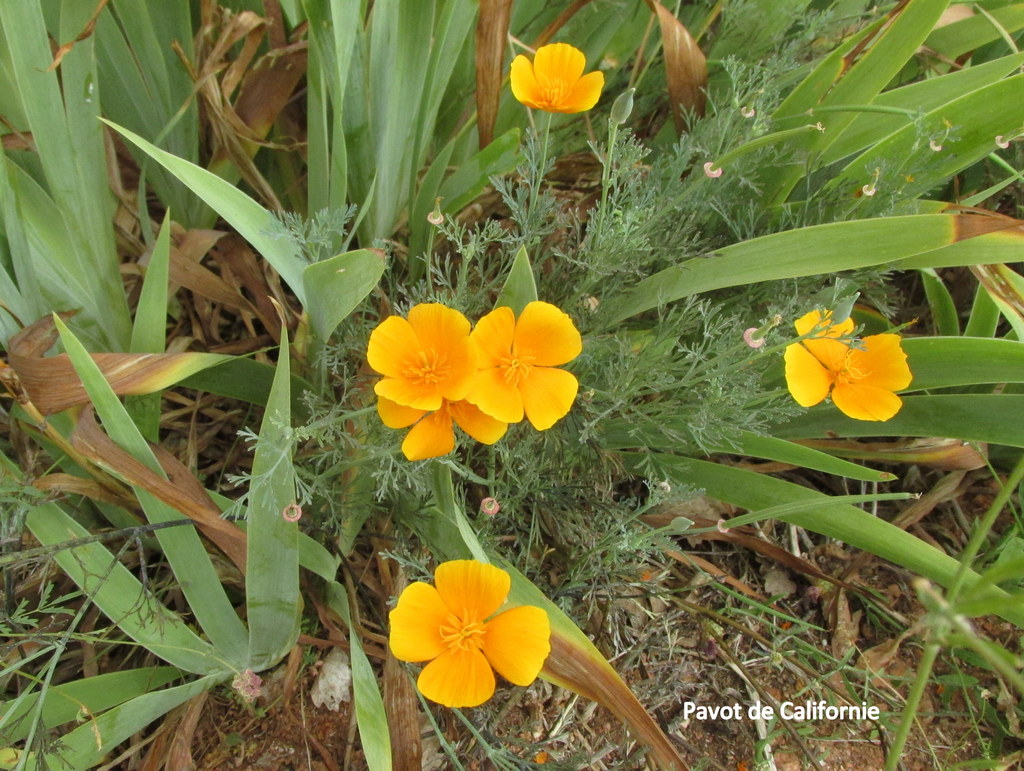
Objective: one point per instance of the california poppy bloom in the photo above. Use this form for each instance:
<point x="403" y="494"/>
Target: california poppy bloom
<point x="518" y="374"/>
<point x="432" y="433"/>
<point x="861" y="377"/>
<point x="453" y="626"/>
<point x="554" y="80"/>
<point x="426" y="359"/>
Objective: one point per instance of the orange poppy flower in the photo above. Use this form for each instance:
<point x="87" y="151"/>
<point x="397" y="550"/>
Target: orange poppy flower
<point x="433" y="433"/>
<point x="554" y="80"/>
<point x="861" y="378"/>
<point x="453" y="626"/>
<point x="426" y="359"/>
<point x="518" y="363"/>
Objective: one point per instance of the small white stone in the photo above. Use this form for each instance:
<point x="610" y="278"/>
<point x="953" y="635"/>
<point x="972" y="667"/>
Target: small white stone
<point x="334" y="684"/>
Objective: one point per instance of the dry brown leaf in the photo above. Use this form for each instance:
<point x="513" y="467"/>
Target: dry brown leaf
<point x="879" y="659"/>
<point x="491" y="33"/>
<point x="53" y="385"/>
<point x="845" y="625"/>
<point x="568" y="667"/>
<point x="712" y="569"/>
<point x="686" y="69"/>
<point x="403" y="711"/>
<point x="179" y="754"/>
<point x="180" y="489"/>
<point x="945" y="454"/>
<point x="69" y="484"/>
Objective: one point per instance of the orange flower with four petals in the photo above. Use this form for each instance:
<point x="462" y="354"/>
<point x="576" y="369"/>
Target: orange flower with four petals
<point x="860" y="377"/>
<point x="426" y="359"/>
<point x="455" y="626"/>
<point x="518" y="368"/>
<point x="554" y="80"/>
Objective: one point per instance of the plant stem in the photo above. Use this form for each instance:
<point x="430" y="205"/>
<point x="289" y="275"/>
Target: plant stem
<point x="981" y="530"/>
<point x="606" y="173"/>
<point x="541" y="169"/>
<point x="932" y="647"/>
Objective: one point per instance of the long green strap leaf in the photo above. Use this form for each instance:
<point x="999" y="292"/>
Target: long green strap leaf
<point x="992" y="418"/>
<point x="182" y="546"/>
<point x="906" y="241"/>
<point x="257" y="225"/>
<point x="88" y="696"/>
<point x="842" y="521"/>
<point x="272" y="564"/>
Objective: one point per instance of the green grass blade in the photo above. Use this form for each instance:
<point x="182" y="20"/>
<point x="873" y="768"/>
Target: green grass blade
<point x="984" y="318"/>
<point x="146" y="89"/>
<point x="120" y="595"/>
<point x="964" y="128"/>
<point x="89" y="696"/>
<point x="62" y="115"/>
<point x="272" y="574"/>
<point x="148" y="331"/>
<point x="917" y="99"/>
<point x="334" y="287"/>
<point x="940" y="362"/>
<point x="786" y="452"/>
<point x="257" y="225"/>
<point x="86" y="746"/>
<point x="182" y="546"/>
<point x="954" y="40"/>
<point x="810" y="251"/>
<point x="896" y="43"/>
<point x="970" y="417"/>
<point x="842" y="521"/>
<point x="947" y="320"/>
<point x="371" y="718"/>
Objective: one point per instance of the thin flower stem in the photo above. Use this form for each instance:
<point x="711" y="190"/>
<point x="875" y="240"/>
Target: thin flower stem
<point x="539" y="179"/>
<point x="613" y="130"/>
<point x="981" y="530"/>
<point x="924" y="669"/>
<point x="932" y="647"/>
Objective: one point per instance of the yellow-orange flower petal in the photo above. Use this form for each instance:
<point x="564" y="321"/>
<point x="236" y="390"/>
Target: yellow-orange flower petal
<point x="882" y="362"/>
<point x="451" y="627"/>
<point x="493" y="336"/>
<point x="477" y="423"/>
<point x="392" y="343"/>
<point x="458" y="678"/>
<point x="525" y="87"/>
<point x="497" y="396"/>
<point x="432" y="437"/>
<point x="554" y="81"/>
<point x="416" y="623"/>
<point x="813" y="319"/>
<point x="546" y="335"/>
<point x="808" y="381"/>
<point x="516" y="376"/>
<point x="394" y="415"/>
<point x="425" y="359"/>
<point x="866" y="402"/>
<point x="518" y="642"/>
<point x="861" y="376"/>
<point x="548" y="394"/>
<point x="471" y="589"/>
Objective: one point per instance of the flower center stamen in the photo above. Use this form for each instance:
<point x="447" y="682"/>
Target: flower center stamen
<point x="460" y="635"/>
<point x="515" y="368"/>
<point x="428" y="367"/>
